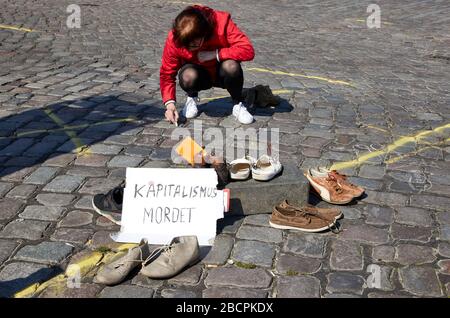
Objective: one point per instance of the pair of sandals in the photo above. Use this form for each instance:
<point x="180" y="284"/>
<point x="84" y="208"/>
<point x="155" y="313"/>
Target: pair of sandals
<point x="263" y="169"/>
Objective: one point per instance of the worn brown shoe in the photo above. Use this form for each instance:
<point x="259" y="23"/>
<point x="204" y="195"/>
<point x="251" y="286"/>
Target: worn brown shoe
<point x="329" y="189"/>
<point x="205" y="160"/>
<point x="342" y="180"/>
<point x="329" y="214"/>
<point x="287" y="219"/>
<point x="220" y="166"/>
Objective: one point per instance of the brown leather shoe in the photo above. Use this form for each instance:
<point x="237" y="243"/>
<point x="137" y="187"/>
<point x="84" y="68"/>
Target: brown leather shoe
<point x="205" y="160"/>
<point x="220" y="166"/>
<point x="342" y="180"/>
<point x="329" y="214"/>
<point x="287" y="219"/>
<point x="329" y="189"/>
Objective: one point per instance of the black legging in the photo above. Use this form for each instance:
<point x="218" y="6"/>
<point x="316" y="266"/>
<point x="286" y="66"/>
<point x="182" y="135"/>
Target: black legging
<point x="229" y="76"/>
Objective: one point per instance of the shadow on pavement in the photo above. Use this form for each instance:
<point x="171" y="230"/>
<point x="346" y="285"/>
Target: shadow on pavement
<point x="36" y="135"/>
<point x="223" y="107"/>
<point x="10" y="287"/>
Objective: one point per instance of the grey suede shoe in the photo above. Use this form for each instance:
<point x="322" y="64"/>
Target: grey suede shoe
<point x="115" y="272"/>
<point x="183" y="251"/>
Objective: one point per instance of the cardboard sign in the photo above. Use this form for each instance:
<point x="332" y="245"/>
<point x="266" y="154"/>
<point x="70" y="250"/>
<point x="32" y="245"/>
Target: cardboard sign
<point x="160" y="204"/>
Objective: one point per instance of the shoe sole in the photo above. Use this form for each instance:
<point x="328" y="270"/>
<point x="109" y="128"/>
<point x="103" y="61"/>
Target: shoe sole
<point x="242" y="122"/>
<point x="264" y="177"/>
<point x="238" y="178"/>
<point x="287" y="227"/>
<point x="317" y="189"/>
<point x="332" y="202"/>
<point x="105" y="214"/>
<point x="190" y="117"/>
<point x="339" y="216"/>
<point x="192" y="263"/>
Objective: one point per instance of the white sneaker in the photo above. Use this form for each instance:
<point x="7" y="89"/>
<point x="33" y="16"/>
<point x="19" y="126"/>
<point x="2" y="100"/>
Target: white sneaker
<point x="240" y="168"/>
<point x="266" y="168"/>
<point x="241" y="113"/>
<point x="190" y="109"/>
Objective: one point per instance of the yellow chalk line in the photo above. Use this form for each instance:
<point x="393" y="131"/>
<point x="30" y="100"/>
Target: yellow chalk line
<point x="69" y="127"/>
<point x="319" y="78"/>
<point x="276" y="91"/>
<point x="422" y="142"/>
<point x="84" y="266"/>
<point x="363" y="20"/>
<point x="11" y="27"/>
<point x="72" y="134"/>
<point x="395" y="159"/>
<point x="396" y="144"/>
<point x="377" y="128"/>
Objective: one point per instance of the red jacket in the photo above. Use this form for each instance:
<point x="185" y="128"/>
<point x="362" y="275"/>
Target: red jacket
<point x="231" y="42"/>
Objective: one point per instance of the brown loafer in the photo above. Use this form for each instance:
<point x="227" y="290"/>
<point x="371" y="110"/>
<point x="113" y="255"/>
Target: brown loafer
<point x="287" y="219"/>
<point x="329" y="213"/>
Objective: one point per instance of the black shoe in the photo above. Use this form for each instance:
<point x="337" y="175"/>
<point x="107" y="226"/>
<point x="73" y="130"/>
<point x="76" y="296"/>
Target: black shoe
<point x="109" y="205"/>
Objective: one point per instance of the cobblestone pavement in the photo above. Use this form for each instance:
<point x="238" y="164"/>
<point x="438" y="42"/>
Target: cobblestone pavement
<point x="80" y="105"/>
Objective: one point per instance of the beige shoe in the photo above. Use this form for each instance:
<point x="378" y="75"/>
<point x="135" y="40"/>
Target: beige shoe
<point x="115" y="272"/>
<point x="183" y="251"/>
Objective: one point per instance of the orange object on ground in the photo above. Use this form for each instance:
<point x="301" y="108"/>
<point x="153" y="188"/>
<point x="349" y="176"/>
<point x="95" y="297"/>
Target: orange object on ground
<point x="190" y="150"/>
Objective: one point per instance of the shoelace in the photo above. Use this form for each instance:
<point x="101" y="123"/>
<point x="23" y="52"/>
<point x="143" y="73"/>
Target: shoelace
<point x="305" y="213"/>
<point x="129" y="260"/>
<point x="165" y="249"/>
<point x="334" y="183"/>
<point x="337" y="175"/>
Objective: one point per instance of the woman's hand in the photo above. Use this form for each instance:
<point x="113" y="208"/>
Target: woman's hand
<point x="171" y="113"/>
<point x="204" y="56"/>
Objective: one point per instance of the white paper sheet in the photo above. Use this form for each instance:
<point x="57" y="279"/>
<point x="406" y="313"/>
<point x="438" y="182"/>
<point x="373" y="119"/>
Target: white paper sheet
<point x="160" y="204"/>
